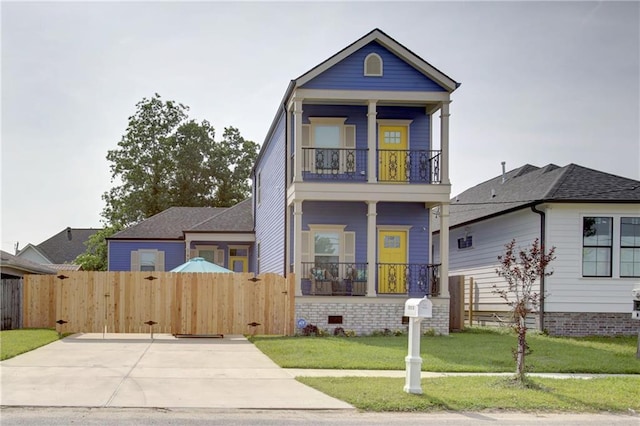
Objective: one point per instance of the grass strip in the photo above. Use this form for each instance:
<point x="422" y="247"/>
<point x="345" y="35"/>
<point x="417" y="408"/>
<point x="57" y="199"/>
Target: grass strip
<point x="472" y="351"/>
<point x="612" y="394"/>
<point x="16" y="342"/>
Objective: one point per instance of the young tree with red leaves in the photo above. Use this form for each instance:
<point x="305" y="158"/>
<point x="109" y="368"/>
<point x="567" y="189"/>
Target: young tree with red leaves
<point x="521" y="268"/>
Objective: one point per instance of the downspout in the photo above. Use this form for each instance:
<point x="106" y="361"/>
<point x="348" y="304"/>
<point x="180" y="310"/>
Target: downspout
<point x="286" y="182"/>
<point x="543" y="224"/>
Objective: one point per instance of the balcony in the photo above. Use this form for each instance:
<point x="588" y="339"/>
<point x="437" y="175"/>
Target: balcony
<point x="350" y="279"/>
<point x="351" y="165"/>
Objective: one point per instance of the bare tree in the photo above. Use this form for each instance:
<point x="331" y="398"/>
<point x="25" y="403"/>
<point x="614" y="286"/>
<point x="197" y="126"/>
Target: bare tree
<point x="521" y="268"/>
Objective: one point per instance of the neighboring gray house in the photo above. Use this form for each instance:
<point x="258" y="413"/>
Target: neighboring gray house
<point x="15" y="267"/>
<point x="61" y="250"/>
<point x="591" y="217"/>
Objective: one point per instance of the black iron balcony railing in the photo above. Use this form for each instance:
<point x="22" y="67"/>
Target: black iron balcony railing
<point x="422" y="166"/>
<point x="334" y="279"/>
<point x="350" y="279"/>
<point x="334" y="163"/>
<point x="408" y="278"/>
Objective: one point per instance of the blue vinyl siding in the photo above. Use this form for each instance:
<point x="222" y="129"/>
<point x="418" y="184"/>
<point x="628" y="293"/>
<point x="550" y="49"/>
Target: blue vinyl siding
<point x="354" y="216"/>
<point x="348" y="74"/>
<point x="120" y="253"/>
<point x="270" y="213"/>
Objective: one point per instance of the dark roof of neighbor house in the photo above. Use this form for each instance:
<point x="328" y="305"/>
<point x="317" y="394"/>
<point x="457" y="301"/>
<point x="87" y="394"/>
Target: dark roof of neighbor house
<point x="66" y="245"/>
<point x="238" y="218"/>
<point x="10" y="263"/>
<point x="529" y="185"/>
<point x="168" y="224"/>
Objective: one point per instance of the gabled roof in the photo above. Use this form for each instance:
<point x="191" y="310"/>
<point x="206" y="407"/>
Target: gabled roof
<point x="65" y="246"/>
<point x="169" y="224"/>
<point x="530" y="185"/>
<point x="238" y="218"/>
<point x="13" y="265"/>
<point x="392" y="45"/>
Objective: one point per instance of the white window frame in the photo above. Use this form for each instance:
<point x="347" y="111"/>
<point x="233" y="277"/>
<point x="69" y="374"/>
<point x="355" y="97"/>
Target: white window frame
<point x="347" y="134"/>
<point x="615" y="244"/>
<point x="158" y="261"/>
<point x="367" y="66"/>
<point x="218" y="256"/>
<point x="346" y="255"/>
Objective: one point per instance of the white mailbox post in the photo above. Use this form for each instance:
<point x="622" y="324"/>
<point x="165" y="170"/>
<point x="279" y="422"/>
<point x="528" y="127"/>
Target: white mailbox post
<point x="415" y="309"/>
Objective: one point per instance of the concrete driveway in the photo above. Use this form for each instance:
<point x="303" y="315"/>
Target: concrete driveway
<point x="132" y="370"/>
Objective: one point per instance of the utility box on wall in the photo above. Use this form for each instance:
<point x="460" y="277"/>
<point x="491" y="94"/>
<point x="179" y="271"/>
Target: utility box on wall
<point x="635" y="314"/>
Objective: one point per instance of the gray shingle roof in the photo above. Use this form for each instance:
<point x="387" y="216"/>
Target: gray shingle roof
<point x="238" y="218"/>
<point x="12" y="263"/>
<point x="66" y="245"/>
<point x="169" y="224"/>
<point x="529" y="184"/>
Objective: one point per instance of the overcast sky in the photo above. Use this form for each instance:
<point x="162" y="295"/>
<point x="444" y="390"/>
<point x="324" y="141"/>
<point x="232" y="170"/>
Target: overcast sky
<point x="541" y="83"/>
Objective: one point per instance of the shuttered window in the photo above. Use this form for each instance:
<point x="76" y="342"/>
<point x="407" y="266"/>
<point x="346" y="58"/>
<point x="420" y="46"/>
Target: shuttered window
<point x="147" y="260"/>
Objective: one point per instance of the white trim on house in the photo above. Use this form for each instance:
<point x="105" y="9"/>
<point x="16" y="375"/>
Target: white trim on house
<point x="365" y="95"/>
<point x="429" y="194"/>
<point x="368" y="65"/>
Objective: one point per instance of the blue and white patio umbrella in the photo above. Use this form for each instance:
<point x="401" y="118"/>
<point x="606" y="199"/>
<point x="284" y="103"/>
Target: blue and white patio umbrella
<point x="199" y="264"/>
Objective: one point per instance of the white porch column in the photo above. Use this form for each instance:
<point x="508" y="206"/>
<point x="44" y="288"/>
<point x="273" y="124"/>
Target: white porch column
<point x="187" y="248"/>
<point x="371" y="248"/>
<point x="372" y="143"/>
<point x="297" y="244"/>
<point x="444" y="143"/>
<point x="297" y="139"/>
<point x="444" y="250"/>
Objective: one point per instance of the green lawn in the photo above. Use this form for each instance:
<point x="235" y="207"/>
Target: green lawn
<point x="612" y="394"/>
<point x="16" y="342"/>
<point x="476" y="350"/>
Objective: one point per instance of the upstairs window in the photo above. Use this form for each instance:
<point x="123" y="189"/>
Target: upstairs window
<point x="597" y="240"/>
<point x="373" y="65"/>
<point x="328" y="145"/>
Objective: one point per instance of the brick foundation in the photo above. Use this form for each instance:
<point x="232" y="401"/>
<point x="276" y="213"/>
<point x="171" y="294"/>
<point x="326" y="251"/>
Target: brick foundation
<point x="364" y="315"/>
<point x="579" y="324"/>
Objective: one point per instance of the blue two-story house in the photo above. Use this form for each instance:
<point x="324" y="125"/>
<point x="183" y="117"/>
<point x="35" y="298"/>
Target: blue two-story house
<point x="346" y="181"/>
<point x="345" y="188"/>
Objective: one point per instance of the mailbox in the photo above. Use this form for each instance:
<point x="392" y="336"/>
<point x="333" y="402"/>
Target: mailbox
<point x="418" y="308"/>
<point x="635" y="314"/>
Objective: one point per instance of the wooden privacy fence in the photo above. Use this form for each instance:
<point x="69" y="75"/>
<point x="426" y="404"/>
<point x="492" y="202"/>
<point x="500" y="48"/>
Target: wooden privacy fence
<point x="177" y="303"/>
<point x="10" y="303"/>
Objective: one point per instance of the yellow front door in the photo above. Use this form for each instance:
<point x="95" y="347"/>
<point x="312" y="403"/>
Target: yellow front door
<point x="239" y="259"/>
<point x="238" y="264"/>
<point x="392" y="146"/>
<point x="392" y="259"/>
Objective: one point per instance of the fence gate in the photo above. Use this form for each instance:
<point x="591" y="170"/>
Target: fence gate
<point x="10" y="303"/>
<point x="162" y="302"/>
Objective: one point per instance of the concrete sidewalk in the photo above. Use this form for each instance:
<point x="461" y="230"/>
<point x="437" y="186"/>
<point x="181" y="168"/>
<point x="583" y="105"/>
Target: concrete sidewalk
<point x="129" y="370"/>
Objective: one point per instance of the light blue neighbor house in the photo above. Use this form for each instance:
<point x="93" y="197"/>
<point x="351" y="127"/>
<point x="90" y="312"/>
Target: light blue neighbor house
<point x="344" y="193"/>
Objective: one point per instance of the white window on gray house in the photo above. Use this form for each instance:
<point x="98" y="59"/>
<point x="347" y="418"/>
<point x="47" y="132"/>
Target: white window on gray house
<point x="630" y="247"/>
<point x="465" y="242"/>
<point x="597" y="240"/>
<point x="147" y="260"/>
<point x="373" y="65"/>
